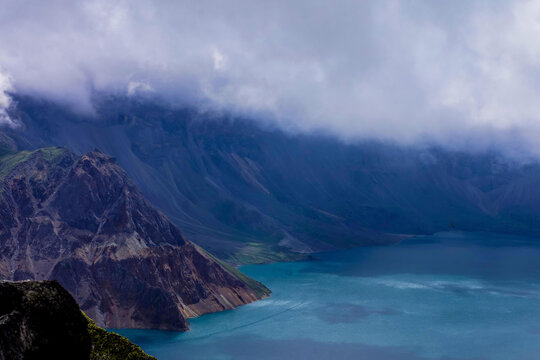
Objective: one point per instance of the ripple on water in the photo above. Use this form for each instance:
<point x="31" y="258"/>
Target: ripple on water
<point x="444" y="297"/>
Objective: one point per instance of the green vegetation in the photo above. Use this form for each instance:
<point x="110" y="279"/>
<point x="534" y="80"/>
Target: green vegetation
<point x="52" y="153"/>
<point x="257" y="253"/>
<point x="10" y="160"/>
<point x="111" y="346"/>
<point x="258" y="288"/>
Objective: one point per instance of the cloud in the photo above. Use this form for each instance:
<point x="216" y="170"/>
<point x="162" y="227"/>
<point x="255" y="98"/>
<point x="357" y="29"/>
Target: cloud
<point x="134" y="87"/>
<point x="5" y="100"/>
<point x="452" y="72"/>
<point x="219" y="59"/>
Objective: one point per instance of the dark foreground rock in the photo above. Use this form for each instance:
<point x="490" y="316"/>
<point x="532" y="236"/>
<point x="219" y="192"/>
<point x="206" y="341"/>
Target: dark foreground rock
<point x="81" y="221"/>
<point x="41" y="320"/>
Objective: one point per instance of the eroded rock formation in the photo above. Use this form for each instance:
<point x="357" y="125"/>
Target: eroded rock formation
<point x="81" y="221"/>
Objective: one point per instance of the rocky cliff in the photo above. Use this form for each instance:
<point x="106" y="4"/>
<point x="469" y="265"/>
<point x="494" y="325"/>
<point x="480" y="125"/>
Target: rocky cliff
<point x="40" y="320"/>
<point x="81" y="221"/>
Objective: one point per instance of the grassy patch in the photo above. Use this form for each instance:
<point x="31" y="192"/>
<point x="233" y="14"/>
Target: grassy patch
<point x="10" y="160"/>
<point x="111" y="346"/>
<point x="258" y="288"/>
<point x="52" y="153"/>
<point x="264" y="254"/>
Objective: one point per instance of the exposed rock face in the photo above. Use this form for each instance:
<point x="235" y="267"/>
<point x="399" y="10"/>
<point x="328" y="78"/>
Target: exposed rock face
<point x="81" y="221"/>
<point x="40" y="320"/>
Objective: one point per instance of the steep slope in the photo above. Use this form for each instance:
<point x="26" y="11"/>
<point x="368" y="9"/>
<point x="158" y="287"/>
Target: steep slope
<point x="40" y="320"/>
<point x="249" y="193"/>
<point x="81" y="221"/>
<point x="108" y="345"/>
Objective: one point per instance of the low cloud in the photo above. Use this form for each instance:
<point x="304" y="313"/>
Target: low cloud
<point x="457" y="73"/>
<point x="137" y="87"/>
<point x="5" y="100"/>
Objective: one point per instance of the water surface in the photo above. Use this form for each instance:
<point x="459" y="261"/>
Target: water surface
<point x="448" y="296"/>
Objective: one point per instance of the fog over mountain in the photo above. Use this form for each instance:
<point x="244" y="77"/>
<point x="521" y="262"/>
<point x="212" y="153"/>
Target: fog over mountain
<point x="462" y="74"/>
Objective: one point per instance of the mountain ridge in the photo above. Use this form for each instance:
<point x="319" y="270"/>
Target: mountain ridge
<point x="81" y="221"/>
<point x="253" y="194"/>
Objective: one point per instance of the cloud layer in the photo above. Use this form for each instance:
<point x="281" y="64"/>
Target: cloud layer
<point x="5" y="99"/>
<point x="456" y="72"/>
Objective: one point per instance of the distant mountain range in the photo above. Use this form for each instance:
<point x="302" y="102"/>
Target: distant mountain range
<point x="81" y="221"/>
<point x="250" y="193"/>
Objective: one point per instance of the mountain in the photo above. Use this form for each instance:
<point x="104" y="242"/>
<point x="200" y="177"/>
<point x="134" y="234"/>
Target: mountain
<point x="248" y="192"/>
<point x="81" y="221"/>
<point x="40" y="320"/>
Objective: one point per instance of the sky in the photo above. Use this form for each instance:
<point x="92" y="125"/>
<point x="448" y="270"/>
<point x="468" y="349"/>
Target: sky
<point x="460" y="73"/>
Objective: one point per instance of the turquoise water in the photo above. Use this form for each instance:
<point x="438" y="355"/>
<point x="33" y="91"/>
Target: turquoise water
<point x="449" y="296"/>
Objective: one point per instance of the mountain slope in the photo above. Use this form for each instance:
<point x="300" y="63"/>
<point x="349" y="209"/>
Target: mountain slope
<point x="40" y="320"/>
<point x="81" y="221"/>
<point x="252" y="194"/>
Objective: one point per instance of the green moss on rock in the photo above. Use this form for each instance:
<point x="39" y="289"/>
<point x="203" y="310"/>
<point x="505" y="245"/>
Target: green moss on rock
<point x="10" y="160"/>
<point x="258" y="288"/>
<point x="107" y="345"/>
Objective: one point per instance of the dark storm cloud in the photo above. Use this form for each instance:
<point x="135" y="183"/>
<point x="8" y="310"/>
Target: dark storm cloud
<point x="404" y="71"/>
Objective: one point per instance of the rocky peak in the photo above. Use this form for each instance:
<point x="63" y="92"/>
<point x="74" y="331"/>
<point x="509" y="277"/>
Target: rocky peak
<point x="81" y="221"/>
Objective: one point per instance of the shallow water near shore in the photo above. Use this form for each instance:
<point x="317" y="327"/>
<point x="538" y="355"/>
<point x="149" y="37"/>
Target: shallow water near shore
<point x="447" y="296"/>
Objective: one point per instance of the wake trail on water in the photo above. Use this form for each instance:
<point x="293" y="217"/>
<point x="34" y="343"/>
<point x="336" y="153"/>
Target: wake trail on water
<point x="246" y="325"/>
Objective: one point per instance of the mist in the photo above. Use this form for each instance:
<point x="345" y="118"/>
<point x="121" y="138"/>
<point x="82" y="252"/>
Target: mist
<point x="464" y="74"/>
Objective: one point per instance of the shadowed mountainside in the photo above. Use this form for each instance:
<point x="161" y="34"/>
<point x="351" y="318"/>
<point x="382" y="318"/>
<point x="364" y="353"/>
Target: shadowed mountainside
<point x="81" y="221"/>
<point x="252" y="194"/>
